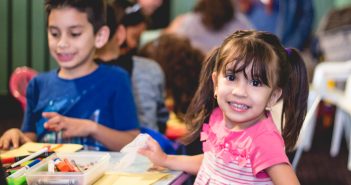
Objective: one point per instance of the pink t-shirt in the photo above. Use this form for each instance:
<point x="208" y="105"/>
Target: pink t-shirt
<point x="239" y="157"/>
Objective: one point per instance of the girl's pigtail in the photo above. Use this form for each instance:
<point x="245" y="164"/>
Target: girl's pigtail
<point x="295" y="96"/>
<point x="203" y="101"/>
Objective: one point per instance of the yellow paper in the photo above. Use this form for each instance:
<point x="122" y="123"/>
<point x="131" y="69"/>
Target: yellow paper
<point x="117" y="178"/>
<point x="29" y="148"/>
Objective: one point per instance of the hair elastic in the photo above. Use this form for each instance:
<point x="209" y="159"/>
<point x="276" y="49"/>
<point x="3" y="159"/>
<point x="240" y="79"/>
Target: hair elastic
<point x="133" y="9"/>
<point x="288" y="51"/>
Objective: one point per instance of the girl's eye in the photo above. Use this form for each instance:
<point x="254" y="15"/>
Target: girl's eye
<point x="256" y="83"/>
<point x="230" y="77"/>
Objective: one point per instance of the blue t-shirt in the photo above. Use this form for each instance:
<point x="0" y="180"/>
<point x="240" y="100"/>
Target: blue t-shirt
<point x="104" y="96"/>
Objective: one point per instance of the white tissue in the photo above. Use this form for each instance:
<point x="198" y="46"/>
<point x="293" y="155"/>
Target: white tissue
<point x="130" y="151"/>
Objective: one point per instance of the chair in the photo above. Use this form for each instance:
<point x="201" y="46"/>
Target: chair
<point x="308" y="125"/>
<point x="342" y="123"/>
<point x="341" y="97"/>
<point x="307" y="129"/>
<point x="19" y="81"/>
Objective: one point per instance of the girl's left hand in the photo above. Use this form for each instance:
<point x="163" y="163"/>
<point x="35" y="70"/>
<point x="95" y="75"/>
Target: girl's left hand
<point x="70" y="127"/>
<point x="154" y="152"/>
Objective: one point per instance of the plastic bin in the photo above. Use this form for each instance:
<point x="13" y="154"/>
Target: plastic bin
<point x="99" y="162"/>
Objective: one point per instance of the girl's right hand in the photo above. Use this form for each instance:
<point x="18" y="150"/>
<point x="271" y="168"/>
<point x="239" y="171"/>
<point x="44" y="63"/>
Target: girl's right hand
<point x="154" y="152"/>
<point x="13" y="137"/>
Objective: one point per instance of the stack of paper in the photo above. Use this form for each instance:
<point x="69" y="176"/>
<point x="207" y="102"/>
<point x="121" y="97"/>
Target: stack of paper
<point x="117" y="178"/>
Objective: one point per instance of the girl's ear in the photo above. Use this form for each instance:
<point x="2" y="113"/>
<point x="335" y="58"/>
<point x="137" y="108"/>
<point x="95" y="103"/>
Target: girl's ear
<point x="214" y="81"/>
<point x="101" y="37"/>
<point x="275" y="96"/>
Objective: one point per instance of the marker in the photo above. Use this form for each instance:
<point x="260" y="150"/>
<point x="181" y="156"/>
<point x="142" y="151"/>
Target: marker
<point x="51" y="166"/>
<point x="16" y="181"/>
<point x="31" y="156"/>
<point x="72" y="167"/>
<point x="26" y="163"/>
<point x="75" y="166"/>
<point x="8" y="160"/>
<point x="62" y="166"/>
<point x="22" y="170"/>
<point x="10" y="171"/>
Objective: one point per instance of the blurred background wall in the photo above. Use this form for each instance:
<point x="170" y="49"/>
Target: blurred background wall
<point x="23" y="39"/>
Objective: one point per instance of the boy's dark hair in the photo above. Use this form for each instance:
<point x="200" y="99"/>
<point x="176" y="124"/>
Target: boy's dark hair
<point x="115" y="14"/>
<point x="95" y="9"/>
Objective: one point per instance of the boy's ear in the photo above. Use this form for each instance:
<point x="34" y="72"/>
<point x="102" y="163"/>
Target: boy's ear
<point x="121" y="34"/>
<point x="276" y="94"/>
<point x="101" y="37"/>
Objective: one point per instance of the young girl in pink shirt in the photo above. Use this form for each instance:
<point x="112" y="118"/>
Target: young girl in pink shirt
<point x="240" y="81"/>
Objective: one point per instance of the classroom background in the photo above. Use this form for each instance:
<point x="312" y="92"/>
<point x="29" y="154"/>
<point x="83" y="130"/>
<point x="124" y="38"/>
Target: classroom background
<point x="23" y="42"/>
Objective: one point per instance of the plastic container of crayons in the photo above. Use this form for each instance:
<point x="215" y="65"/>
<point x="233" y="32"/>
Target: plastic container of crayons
<point x="82" y="168"/>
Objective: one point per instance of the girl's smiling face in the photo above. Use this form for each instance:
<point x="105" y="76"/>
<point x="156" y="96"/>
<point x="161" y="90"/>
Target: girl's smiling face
<point x="242" y="97"/>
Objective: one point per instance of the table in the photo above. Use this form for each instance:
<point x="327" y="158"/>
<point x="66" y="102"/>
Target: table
<point x="142" y="164"/>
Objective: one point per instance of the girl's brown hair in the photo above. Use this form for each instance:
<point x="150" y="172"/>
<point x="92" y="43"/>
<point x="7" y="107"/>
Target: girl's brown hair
<point x="271" y="63"/>
<point x="181" y="64"/>
<point x="215" y="13"/>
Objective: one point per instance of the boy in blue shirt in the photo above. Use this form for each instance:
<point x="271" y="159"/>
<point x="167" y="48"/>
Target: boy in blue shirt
<point x="81" y="102"/>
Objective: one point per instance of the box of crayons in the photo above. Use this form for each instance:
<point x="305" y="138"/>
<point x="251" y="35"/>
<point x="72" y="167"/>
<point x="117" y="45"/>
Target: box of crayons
<point x="82" y="168"/>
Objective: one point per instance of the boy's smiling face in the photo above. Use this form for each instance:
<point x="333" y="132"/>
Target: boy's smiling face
<point x="72" y="41"/>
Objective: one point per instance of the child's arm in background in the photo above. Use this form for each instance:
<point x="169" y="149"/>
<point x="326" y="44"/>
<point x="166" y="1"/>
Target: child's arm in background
<point x="189" y="164"/>
<point x="282" y="174"/>
<point x="74" y="127"/>
<point x="15" y="137"/>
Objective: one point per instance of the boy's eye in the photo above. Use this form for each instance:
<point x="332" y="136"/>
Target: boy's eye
<point x="256" y="83"/>
<point x="54" y="33"/>
<point x="230" y="77"/>
<point x="75" y="34"/>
